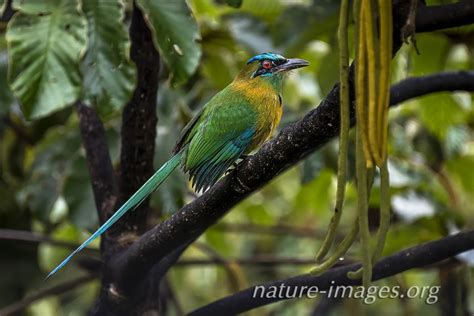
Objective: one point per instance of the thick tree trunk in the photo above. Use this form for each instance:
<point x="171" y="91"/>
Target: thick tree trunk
<point x="139" y="121"/>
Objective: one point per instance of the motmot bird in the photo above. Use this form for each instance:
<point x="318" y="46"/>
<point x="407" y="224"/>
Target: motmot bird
<point x="237" y="120"/>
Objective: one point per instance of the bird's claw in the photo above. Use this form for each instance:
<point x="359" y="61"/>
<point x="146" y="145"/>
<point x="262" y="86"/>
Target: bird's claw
<point x="237" y="163"/>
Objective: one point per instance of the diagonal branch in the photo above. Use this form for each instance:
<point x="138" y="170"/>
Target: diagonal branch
<point x="404" y="260"/>
<point x="104" y="184"/>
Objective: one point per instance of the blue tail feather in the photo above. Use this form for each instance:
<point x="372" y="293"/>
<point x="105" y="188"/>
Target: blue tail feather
<point x="145" y="190"/>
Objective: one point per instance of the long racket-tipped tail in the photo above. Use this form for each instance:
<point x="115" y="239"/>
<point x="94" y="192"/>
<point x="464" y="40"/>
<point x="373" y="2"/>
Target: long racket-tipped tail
<point x="138" y="197"/>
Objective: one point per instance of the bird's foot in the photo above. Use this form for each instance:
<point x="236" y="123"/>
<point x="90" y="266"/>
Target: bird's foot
<point x="237" y="163"/>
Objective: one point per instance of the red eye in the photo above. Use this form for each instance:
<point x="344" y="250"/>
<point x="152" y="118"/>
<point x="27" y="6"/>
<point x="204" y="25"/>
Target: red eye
<point x="266" y="64"/>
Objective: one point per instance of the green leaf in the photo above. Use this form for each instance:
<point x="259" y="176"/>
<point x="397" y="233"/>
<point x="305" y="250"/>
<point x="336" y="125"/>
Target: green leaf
<point x="327" y="73"/>
<point x="175" y="33"/>
<point x="267" y="10"/>
<point x="109" y="76"/>
<point x="461" y="170"/>
<point x="45" y="50"/>
<point x="439" y="112"/>
<point x="316" y="195"/>
<point x="77" y="192"/>
<point x="219" y="64"/>
<point x="48" y="255"/>
<point x="41" y="196"/>
<point x="422" y="230"/>
<point x="434" y="49"/>
<point x="219" y="241"/>
<point x="53" y="157"/>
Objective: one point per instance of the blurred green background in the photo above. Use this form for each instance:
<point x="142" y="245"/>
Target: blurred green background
<point x="45" y="187"/>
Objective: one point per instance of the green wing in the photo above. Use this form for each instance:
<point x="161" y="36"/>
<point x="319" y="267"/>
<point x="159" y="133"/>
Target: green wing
<point x="217" y="137"/>
<point x="187" y="131"/>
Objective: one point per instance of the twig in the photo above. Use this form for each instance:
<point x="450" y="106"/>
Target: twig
<point x="409" y="29"/>
<point x="233" y="271"/>
<point x="54" y="290"/>
<point x="418" y="256"/>
<point x="173" y="298"/>
<point x="23" y="235"/>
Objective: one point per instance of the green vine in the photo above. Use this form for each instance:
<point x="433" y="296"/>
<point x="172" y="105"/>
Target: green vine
<point x="373" y="50"/>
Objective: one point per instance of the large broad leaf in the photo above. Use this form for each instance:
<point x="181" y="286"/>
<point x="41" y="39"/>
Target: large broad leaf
<point x="45" y="49"/>
<point x="35" y="7"/>
<point x="109" y="76"/>
<point x="175" y="34"/>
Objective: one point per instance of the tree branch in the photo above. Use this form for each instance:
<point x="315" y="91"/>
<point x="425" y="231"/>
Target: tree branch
<point x="24" y="235"/>
<point x="437" y="17"/>
<point x="54" y="290"/>
<point x="404" y="260"/>
<point x="417" y="86"/>
<point x="139" y="124"/>
<point x="101" y="171"/>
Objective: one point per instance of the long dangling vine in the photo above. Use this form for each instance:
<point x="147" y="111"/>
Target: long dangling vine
<point x="373" y="53"/>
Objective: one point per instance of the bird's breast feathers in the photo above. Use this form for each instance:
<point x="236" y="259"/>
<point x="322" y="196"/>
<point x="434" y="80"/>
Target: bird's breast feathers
<point x="265" y="100"/>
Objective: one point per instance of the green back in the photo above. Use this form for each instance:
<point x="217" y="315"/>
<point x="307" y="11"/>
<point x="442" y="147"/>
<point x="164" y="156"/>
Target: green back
<point x="217" y="137"/>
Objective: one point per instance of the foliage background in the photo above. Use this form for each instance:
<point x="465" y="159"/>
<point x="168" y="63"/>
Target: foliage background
<point x="45" y="186"/>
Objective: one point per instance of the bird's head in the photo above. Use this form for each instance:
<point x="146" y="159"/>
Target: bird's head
<point x="270" y="66"/>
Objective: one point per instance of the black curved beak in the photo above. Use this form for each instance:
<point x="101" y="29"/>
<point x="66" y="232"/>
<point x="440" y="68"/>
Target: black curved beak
<point x="293" y="63"/>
